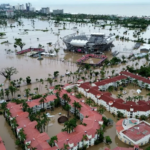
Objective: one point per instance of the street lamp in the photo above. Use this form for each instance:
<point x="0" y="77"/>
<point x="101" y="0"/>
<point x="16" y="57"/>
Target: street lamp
<point x="98" y="96"/>
<point x="110" y="104"/>
<point x="86" y="91"/>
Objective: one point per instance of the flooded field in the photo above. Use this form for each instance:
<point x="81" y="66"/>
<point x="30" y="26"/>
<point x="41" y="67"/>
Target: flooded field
<point x="7" y="135"/>
<point x="63" y="62"/>
<point x="92" y="61"/>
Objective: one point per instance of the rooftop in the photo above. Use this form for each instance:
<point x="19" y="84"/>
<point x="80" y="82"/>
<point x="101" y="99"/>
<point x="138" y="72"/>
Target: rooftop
<point x="138" y="131"/>
<point x="2" y="147"/>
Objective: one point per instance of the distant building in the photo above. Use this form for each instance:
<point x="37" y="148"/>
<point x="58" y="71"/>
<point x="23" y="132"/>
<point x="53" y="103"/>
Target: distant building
<point x="5" y="6"/>
<point x="28" y="7"/>
<point x="45" y="10"/>
<point x="22" y="7"/>
<point x="9" y="13"/>
<point x="58" y="11"/>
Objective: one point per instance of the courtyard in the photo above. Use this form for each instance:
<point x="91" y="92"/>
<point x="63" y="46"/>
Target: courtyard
<point x="130" y="93"/>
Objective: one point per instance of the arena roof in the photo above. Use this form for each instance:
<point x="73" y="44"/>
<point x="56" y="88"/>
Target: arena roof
<point x="80" y="43"/>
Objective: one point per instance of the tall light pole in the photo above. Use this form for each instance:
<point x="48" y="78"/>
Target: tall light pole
<point x="86" y="91"/>
<point x="98" y="96"/>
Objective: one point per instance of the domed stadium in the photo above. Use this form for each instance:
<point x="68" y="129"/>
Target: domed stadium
<point x="83" y="43"/>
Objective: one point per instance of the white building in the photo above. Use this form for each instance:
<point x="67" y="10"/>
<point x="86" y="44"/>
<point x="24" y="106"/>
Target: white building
<point x="133" y="132"/>
<point x="45" y="10"/>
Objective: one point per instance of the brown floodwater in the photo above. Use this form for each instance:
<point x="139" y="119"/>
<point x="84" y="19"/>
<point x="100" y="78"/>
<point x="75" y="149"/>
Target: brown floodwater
<point x="92" y="61"/>
<point x="7" y="135"/>
<point x="53" y="127"/>
<point x="28" y="66"/>
<point x="131" y="90"/>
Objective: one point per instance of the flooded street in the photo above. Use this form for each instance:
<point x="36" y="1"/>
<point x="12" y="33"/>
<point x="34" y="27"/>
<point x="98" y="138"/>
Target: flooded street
<point x="63" y="62"/>
<point x="7" y="135"/>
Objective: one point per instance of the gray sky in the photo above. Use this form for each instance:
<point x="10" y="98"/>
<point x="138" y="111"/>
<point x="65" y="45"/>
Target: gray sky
<point x="52" y="2"/>
<point x="74" y="1"/>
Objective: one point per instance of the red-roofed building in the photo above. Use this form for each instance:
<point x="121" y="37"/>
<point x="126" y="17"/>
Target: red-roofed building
<point x="133" y="132"/>
<point x="2" y="147"/>
<point x="125" y="148"/>
<point x="129" y="109"/>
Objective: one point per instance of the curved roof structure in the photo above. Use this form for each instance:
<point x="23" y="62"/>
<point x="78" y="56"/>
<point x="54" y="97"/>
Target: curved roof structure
<point x="79" y="43"/>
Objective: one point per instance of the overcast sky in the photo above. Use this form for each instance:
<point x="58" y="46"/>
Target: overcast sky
<point x="52" y="2"/>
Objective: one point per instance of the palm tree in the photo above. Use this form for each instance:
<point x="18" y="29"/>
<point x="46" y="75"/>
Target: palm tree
<point x="50" y="81"/>
<point x="36" y="89"/>
<point x="84" y="138"/>
<point x="67" y="108"/>
<point x="118" y="83"/>
<point x="11" y="89"/>
<point x="148" y="95"/>
<point x="66" y="98"/>
<point x="21" y="135"/>
<point x="44" y="120"/>
<point x="110" y="89"/>
<point x="113" y="71"/>
<point x="123" y="58"/>
<point x="14" y="125"/>
<point x="101" y="110"/>
<point x="77" y="106"/>
<point x="43" y="99"/>
<point x="119" y="95"/>
<point x="66" y="146"/>
<point x="100" y="135"/>
<point x="128" y="98"/>
<point x="75" y="89"/>
<point x="52" y="141"/>
<point x="25" y="106"/>
<point x="27" y="92"/>
<point x="89" y="101"/>
<point x="56" y="50"/>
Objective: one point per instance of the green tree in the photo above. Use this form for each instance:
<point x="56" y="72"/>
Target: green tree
<point x="77" y="106"/>
<point x="108" y="140"/>
<point x="43" y="99"/>
<point x="8" y="72"/>
<point x="56" y="73"/>
<point x="18" y="42"/>
<point x="27" y="92"/>
<point x="52" y="141"/>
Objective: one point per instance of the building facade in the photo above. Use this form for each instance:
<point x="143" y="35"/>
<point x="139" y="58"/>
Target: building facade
<point x="45" y="10"/>
<point x="58" y="12"/>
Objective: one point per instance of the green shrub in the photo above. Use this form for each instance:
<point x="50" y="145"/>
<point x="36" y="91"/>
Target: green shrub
<point x="36" y="96"/>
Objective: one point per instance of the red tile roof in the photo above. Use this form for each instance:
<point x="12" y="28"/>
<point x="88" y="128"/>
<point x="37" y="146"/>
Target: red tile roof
<point x="135" y="76"/>
<point x="138" y="131"/>
<point x="92" y="124"/>
<point x="2" y="147"/>
<point x="119" y="126"/>
<point x="110" y="80"/>
<point x="38" y="140"/>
